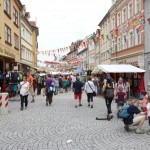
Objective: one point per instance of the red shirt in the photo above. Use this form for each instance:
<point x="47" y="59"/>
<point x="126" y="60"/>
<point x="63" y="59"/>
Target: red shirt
<point x="69" y="79"/>
<point x="121" y="96"/>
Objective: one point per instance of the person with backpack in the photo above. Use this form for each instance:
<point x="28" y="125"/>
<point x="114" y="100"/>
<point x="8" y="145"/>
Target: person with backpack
<point x="108" y="91"/>
<point x="49" y="89"/>
<point x="39" y="85"/>
<point x="60" y="84"/>
<point x="130" y="120"/>
<point x="77" y="88"/>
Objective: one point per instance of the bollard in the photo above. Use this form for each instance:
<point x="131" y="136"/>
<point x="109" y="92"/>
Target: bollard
<point x="4" y="103"/>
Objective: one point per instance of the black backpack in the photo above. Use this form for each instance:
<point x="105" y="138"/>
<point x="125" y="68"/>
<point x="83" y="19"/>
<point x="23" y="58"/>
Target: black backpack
<point x="109" y="92"/>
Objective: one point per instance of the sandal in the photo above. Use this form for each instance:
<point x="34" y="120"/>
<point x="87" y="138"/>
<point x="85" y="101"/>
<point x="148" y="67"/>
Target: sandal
<point x="139" y="132"/>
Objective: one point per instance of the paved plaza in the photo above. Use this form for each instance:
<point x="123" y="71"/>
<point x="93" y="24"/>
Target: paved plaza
<point x="64" y="127"/>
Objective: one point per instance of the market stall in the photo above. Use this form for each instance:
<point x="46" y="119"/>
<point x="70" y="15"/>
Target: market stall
<point x="134" y="74"/>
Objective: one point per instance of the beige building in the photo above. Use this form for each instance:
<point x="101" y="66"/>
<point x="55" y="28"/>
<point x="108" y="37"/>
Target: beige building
<point x="9" y="34"/>
<point x="29" y="34"/>
<point x="105" y="47"/>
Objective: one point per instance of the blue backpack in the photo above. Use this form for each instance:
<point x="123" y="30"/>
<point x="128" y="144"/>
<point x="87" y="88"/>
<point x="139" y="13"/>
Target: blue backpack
<point x="123" y="113"/>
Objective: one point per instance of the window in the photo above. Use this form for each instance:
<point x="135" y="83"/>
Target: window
<point x="130" y="10"/>
<point x="7" y="6"/>
<point x="113" y="23"/>
<point x="124" y="42"/>
<point x="119" y="19"/>
<point x="138" y="36"/>
<point x="119" y="44"/>
<point x="131" y="39"/>
<point x="124" y="15"/>
<point x="7" y="34"/>
<point x="16" y="41"/>
<point x="113" y="46"/>
<point x="15" y="16"/>
<point x="137" y="6"/>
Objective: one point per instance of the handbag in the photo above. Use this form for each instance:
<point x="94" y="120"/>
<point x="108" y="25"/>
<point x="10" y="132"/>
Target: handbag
<point x="94" y="93"/>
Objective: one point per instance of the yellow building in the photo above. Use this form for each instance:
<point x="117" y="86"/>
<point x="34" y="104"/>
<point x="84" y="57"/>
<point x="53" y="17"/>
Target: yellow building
<point x="9" y="34"/>
<point x="29" y="33"/>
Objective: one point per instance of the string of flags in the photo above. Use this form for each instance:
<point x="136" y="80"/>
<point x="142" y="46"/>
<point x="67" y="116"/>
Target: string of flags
<point x="58" y="52"/>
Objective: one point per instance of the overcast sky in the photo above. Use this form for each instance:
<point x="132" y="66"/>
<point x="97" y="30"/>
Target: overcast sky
<point x="61" y="22"/>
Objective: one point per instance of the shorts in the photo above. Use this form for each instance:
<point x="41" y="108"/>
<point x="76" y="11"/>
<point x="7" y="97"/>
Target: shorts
<point x="137" y="119"/>
<point x="120" y="103"/>
<point x="31" y="91"/>
<point x="77" y="96"/>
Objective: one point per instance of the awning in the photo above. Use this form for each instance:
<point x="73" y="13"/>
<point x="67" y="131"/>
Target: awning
<point x="122" y="68"/>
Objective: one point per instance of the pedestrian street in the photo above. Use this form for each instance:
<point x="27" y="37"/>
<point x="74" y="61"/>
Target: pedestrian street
<point x="61" y="126"/>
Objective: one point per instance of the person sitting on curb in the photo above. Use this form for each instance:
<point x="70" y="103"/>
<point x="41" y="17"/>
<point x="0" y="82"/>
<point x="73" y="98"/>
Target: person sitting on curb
<point x="134" y="121"/>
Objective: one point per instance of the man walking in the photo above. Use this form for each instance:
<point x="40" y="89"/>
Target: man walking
<point x="77" y="88"/>
<point x="30" y="80"/>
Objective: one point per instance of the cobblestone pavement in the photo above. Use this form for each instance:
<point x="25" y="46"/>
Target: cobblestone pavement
<point x="64" y="127"/>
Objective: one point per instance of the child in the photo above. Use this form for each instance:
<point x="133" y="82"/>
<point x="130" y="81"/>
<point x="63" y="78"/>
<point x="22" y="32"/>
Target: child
<point x="120" y="97"/>
<point x="144" y="101"/>
<point x="148" y="112"/>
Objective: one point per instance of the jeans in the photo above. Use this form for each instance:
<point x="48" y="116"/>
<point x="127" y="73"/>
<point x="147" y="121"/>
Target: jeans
<point x="56" y="89"/>
<point x="90" y="97"/>
<point x="108" y="105"/>
<point x="24" y="99"/>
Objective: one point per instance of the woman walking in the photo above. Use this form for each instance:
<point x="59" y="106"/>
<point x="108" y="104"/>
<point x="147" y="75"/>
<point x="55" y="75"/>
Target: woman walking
<point x="24" y="92"/>
<point x="89" y="89"/>
<point x="49" y="90"/>
<point x="108" y="92"/>
<point x="65" y="84"/>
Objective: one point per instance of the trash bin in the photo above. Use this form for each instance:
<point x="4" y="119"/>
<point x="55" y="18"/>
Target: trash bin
<point x="3" y="103"/>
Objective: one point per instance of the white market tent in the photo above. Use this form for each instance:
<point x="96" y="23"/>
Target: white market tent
<point x="116" y="68"/>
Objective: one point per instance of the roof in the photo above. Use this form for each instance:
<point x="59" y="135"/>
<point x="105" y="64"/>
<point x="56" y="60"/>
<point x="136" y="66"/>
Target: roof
<point x="122" y="68"/>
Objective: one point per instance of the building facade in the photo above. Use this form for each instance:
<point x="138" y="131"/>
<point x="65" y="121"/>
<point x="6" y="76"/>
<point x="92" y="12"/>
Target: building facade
<point x="147" y="45"/>
<point x="10" y="34"/>
<point x="105" y="49"/>
<point x="127" y="32"/>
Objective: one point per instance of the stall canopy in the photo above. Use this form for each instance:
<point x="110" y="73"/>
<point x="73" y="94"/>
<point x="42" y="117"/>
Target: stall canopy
<point x="122" y="68"/>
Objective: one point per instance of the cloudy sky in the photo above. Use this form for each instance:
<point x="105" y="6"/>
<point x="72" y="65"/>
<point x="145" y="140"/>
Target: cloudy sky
<point x="61" y="22"/>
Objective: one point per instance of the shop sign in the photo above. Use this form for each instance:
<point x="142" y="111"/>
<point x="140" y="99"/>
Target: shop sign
<point x="7" y="52"/>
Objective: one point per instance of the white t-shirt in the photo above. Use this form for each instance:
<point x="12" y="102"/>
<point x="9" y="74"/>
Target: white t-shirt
<point x="148" y="109"/>
<point x="87" y="87"/>
<point x="24" y="88"/>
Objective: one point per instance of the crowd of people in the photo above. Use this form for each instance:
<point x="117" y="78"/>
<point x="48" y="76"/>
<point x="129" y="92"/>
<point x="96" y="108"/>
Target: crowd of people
<point x="119" y="91"/>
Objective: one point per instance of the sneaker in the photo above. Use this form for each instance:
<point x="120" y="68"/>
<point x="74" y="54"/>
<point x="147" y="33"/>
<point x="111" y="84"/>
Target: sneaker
<point x="127" y="128"/>
<point x="139" y="132"/>
<point x="80" y="104"/>
<point x="76" y="106"/>
<point x="88" y="105"/>
<point x="21" y="109"/>
<point x="148" y="132"/>
<point x="91" y="106"/>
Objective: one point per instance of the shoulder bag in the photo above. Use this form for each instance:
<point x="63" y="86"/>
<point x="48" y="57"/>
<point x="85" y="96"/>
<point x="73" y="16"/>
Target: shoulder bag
<point x="94" y="93"/>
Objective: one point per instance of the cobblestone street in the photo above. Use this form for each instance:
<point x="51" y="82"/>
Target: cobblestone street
<point x="64" y="127"/>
